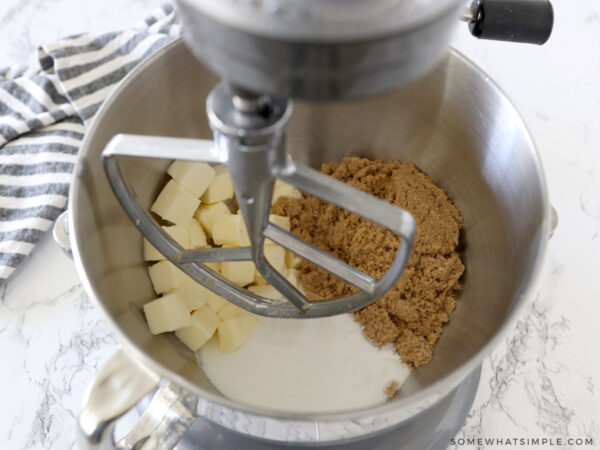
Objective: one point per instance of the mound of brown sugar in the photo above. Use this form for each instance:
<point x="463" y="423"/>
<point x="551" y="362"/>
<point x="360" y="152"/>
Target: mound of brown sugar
<point x="412" y="314"/>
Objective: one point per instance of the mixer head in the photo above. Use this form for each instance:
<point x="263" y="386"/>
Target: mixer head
<point x="267" y="51"/>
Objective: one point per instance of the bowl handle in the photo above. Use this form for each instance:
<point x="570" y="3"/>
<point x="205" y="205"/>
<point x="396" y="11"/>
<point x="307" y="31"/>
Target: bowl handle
<point x="118" y="387"/>
<point x="60" y="233"/>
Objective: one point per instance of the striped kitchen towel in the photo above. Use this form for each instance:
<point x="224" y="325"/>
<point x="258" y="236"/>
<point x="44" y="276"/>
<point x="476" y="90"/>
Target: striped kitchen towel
<point x="44" y="111"/>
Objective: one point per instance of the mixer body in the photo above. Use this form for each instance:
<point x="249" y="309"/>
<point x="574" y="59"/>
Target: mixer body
<point x="340" y="49"/>
<point x="319" y="50"/>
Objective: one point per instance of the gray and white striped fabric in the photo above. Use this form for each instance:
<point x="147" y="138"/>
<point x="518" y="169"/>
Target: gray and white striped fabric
<point x="44" y="111"/>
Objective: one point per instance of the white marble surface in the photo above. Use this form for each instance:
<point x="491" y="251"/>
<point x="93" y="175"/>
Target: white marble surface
<point x="542" y="381"/>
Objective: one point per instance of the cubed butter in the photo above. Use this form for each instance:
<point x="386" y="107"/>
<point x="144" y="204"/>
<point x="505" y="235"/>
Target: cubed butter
<point x="280" y="221"/>
<point x="175" y="204"/>
<point x="267" y="291"/>
<point x="205" y="214"/>
<point x="214" y="301"/>
<point x="204" y="323"/>
<point x="197" y="235"/>
<point x="195" y="295"/>
<point x="293" y="277"/>
<point x="178" y="233"/>
<point x="167" y="313"/>
<point x="192" y="175"/>
<point x="221" y="187"/>
<point x="239" y="272"/>
<point x="231" y="310"/>
<point x="230" y="229"/>
<point x="292" y="261"/>
<point x="216" y="266"/>
<point x="275" y="254"/>
<point x="258" y="278"/>
<point x="283" y="189"/>
<point x="150" y="252"/>
<point x="165" y="276"/>
<point x="235" y="331"/>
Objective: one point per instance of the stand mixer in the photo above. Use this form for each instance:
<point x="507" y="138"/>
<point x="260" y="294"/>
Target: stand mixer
<point x="270" y="51"/>
<point x="266" y="52"/>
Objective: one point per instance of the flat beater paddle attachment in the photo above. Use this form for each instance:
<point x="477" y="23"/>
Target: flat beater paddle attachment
<point x="250" y="139"/>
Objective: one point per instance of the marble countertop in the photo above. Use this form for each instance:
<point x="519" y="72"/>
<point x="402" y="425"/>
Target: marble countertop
<point x="541" y="382"/>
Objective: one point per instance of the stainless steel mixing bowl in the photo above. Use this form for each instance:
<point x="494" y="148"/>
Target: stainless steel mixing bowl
<point x="455" y="124"/>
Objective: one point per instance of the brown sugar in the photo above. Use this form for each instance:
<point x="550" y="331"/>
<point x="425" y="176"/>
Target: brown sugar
<point x="412" y="314"/>
<point x="391" y="389"/>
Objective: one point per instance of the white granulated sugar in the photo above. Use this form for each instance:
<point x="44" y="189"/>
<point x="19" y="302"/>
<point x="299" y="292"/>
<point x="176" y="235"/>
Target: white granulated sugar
<point x="313" y="365"/>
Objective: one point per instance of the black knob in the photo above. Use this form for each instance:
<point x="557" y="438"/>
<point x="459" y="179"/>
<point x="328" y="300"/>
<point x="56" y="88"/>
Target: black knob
<point x="527" y="21"/>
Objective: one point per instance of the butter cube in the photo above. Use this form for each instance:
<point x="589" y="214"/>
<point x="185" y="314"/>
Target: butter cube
<point x="239" y="272"/>
<point x="206" y="215"/>
<point x="165" y="276"/>
<point x="293" y="277"/>
<point x="215" y="302"/>
<point x="221" y="187"/>
<point x="204" y="323"/>
<point x="192" y="175"/>
<point x="175" y="204"/>
<point x="275" y="254"/>
<point x="231" y="310"/>
<point x="292" y="261"/>
<point x="235" y="331"/>
<point x="283" y="189"/>
<point x="258" y="278"/>
<point x="267" y="291"/>
<point x="179" y="234"/>
<point x="194" y="294"/>
<point x="216" y="266"/>
<point x="150" y="252"/>
<point x="280" y="221"/>
<point x="230" y="229"/>
<point x="197" y="236"/>
<point x="167" y="313"/>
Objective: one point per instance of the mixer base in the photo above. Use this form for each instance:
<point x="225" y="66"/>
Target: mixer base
<point x="430" y="430"/>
